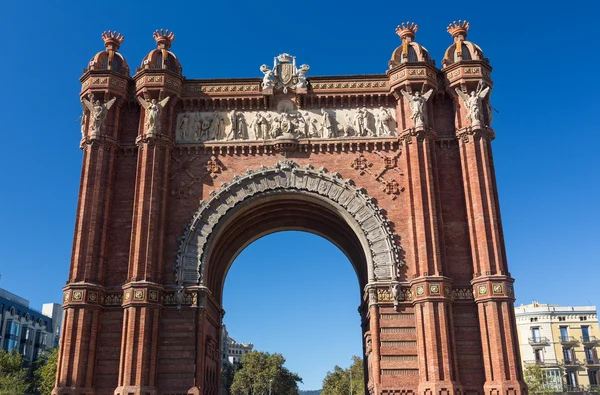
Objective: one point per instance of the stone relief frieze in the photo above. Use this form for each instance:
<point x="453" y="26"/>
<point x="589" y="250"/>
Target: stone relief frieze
<point x="380" y="244"/>
<point x="198" y="127"/>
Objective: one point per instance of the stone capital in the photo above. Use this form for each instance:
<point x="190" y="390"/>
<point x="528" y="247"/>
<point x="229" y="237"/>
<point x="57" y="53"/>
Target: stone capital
<point x="431" y="288"/>
<point x="83" y="294"/>
<point x="493" y="287"/>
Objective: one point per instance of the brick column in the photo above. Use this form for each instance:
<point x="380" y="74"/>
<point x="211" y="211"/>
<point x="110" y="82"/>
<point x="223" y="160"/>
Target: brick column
<point x="492" y="284"/>
<point x="431" y="289"/>
<point x="141" y="315"/>
<point x="84" y="291"/>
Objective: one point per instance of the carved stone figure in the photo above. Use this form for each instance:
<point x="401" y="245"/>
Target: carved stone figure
<point x="217" y="127"/>
<point x="260" y="126"/>
<point x="417" y="103"/>
<point x="241" y="126"/>
<point x="232" y="133"/>
<point x="301" y="126"/>
<point x="183" y="128"/>
<point x="301" y="74"/>
<point x="153" y="111"/>
<point x="205" y="129"/>
<point x="361" y="122"/>
<point x="474" y="102"/>
<point x="275" y="126"/>
<point x="395" y="291"/>
<point x="326" y="125"/>
<point x="285" y="123"/>
<point x="348" y="126"/>
<point x="98" y="112"/>
<point x="268" y="78"/>
<point x="382" y="122"/>
<point x="84" y="119"/>
<point x="198" y="128"/>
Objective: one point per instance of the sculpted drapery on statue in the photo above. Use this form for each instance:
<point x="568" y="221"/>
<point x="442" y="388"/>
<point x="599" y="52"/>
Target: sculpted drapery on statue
<point x="98" y="113"/>
<point x="153" y="112"/>
<point x="474" y="103"/>
<point x="417" y="102"/>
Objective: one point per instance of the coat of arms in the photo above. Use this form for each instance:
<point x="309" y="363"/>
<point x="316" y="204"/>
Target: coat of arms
<point x="284" y="74"/>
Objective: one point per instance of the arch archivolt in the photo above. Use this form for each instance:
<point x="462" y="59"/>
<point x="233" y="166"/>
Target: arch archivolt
<point x="365" y="218"/>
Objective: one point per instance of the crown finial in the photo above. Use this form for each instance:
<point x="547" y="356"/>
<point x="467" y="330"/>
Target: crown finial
<point x="407" y="30"/>
<point x="459" y="29"/>
<point x="164" y="38"/>
<point x="112" y="40"/>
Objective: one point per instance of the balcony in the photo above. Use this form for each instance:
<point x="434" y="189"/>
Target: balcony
<point x="574" y="388"/>
<point x="590" y="341"/>
<point x="571" y="363"/>
<point x="546" y="363"/>
<point x="568" y="340"/>
<point x="592" y="362"/>
<point x="539" y="341"/>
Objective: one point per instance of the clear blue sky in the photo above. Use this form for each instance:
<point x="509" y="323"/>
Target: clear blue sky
<point x="545" y="61"/>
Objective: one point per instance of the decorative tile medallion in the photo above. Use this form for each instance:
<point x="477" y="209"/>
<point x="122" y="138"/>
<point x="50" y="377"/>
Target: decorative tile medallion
<point x="497" y="289"/>
<point x="482" y="290"/>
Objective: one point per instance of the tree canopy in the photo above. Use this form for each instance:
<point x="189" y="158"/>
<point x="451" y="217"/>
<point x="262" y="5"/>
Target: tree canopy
<point x="337" y="382"/>
<point x="537" y="380"/>
<point x="13" y="376"/>
<point x="261" y="372"/>
<point x="45" y="372"/>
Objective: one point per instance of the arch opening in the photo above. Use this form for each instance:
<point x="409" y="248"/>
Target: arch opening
<point x="286" y="197"/>
<point x="300" y="305"/>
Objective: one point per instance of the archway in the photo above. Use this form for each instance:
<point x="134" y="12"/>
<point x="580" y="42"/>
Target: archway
<point x="285" y="197"/>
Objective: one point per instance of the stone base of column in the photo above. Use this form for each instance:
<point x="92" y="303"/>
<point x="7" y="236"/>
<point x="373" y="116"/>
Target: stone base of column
<point x="135" y="390"/>
<point x="439" y="388"/>
<point x="72" y="391"/>
<point x="505" y="388"/>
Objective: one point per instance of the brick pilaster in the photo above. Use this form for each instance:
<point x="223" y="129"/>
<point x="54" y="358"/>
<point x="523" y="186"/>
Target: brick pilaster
<point x="492" y="284"/>
<point x="433" y="303"/>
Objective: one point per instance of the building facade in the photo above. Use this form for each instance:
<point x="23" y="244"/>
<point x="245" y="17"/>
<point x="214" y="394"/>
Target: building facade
<point x="232" y="351"/>
<point x="564" y="341"/>
<point x="27" y="330"/>
<point x="180" y="174"/>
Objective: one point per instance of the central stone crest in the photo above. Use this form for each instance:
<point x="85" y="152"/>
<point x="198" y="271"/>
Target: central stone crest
<point x="284" y="74"/>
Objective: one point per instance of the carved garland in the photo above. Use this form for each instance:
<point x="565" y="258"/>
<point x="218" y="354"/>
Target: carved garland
<point x="287" y="175"/>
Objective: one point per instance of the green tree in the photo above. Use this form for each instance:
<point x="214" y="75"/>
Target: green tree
<point x="262" y="372"/>
<point x="537" y="380"/>
<point x="228" y="371"/>
<point x="337" y="382"/>
<point x="45" y="372"/>
<point x="13" y="376"/>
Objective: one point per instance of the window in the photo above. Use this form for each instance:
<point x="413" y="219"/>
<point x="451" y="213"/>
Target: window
<point x="12" y="335"/>
<point x="571" y="378"/>
<point x="539" y="356"/>
<point x="564" y="334"/>
<point x="593" y="376"/>
<point x="585" y="333"/>
<point x="561" y="318"/>
<point x="567" y="355"/>
<point x="582" y="318"/>
<point x="589" y="354"/>
<point x="533" y="319"/>
<point x="535" y="333"/>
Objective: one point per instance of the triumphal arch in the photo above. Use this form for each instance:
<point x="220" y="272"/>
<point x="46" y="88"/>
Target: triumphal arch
<point x="179" y="175"/>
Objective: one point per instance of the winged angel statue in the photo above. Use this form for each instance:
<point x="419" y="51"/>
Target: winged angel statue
<point x="98" y="113"/>
<point x="417" y="102"/>
<point x="153" y="110"/>
<point x="474" y="102"/>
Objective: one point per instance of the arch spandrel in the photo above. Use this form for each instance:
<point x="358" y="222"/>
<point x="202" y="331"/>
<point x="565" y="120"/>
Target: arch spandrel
<point x="379" y="242"/>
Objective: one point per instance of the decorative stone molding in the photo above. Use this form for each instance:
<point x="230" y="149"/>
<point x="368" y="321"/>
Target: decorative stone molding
<point x="383" y="255"/>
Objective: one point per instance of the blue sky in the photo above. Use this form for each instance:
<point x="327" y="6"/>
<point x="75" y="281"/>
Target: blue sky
<point x="546" y="154"/>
